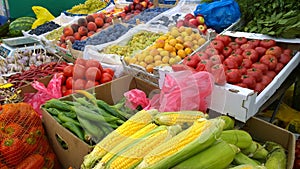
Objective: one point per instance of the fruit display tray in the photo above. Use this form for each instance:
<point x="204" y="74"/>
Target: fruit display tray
<point x="242" y="103"/>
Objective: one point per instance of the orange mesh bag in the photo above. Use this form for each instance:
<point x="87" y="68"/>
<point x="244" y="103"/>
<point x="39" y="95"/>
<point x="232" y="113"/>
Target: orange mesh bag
<point x="23" y="138"/>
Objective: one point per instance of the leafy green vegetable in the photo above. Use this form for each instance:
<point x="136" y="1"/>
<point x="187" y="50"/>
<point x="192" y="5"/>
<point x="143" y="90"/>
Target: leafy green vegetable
<point x="280" y="18"/>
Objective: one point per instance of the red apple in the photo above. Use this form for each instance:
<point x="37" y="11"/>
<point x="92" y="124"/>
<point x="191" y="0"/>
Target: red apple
<point x="200" y="19"/>
<point x="179" y="23"/>
<point x="193" y="23"/>
<point x="202" y="28"/>
<point x="189" y="16"/>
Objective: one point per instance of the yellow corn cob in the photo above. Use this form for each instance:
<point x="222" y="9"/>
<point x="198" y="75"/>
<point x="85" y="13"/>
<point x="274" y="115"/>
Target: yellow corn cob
<point x="140" y="133"/>
<point x="134" y="153"/>
<point x="131" y="126"/>
<point x="196" y="138"/>
<point x="184" y="118"/>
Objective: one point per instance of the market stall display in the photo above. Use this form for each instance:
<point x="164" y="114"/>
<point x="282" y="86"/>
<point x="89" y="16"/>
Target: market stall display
<point x="141" y="84"/>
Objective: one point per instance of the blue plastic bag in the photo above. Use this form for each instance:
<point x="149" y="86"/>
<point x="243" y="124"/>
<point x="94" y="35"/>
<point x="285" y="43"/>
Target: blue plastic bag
<point x="219" y="14"/>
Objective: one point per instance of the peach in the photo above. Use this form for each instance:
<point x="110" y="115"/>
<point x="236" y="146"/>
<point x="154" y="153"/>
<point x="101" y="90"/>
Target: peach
<point x="99" y="22"/>
<point x="95" y="15"/>
<point x="101" y="15"/>
<point x="91" y="26"/>
<point x="70" y="38"/>
<point x="68" y="31"/>
<point x="62" y="38"/>
<point x="82" y="22"/>
<point x="75" y="27"/>
<point x="82" y="30"/>
<point x="106" y="25"/>
<point x="77" y="36"/>
<point x="83" y="38"/>
<point x="99" y="29"/>
<point x="90" y="33"/>
<point x="90" y="18"/>
<point x="108" y="20"/>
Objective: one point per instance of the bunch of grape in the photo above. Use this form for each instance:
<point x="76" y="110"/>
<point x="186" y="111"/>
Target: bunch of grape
<point x="147" y="15"/>
<point x="44" y="28"/>
<point x="110" y="34"/>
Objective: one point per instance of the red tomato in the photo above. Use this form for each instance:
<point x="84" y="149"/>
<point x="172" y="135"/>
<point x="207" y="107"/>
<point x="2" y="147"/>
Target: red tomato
<point x="234" y="45"/>
<point x="261" y="66"/>
<point x="68" y="92"/>
<point x="259" y="87"/>
<point x="242" y="85"/>
<point x="238" y="51"/>
<point x="266" y="80"/>
<point x="233" y="76"/>
<point x="80" y="61"/>
<point x="247" y="63"/>
<point x="246" y="46"/>
<point x="200" y="67"/>
<point x="93" y="73"/>
<point x="68" y="71"/>
<point x="202" y="55"/>
<point x="218" y="73"/>
<point x="208" y="63"/>
<point x="79" y="84"/>
<point x="256" y="73"/>
<point x="217" y="44"/>
<point x="211" y="51"/>
<point x="271" y="74"/>
<point x="237" y="57"/>
<point x="243" y="70"/>
<point x="69" y="83"/>
<point x="106" y="77"/>
<point x="254" y="42"/>
<point x="240" y="40"/>
<point x="260" y="50"/>
<point x="249" y="81"/>
<point x="278" y="67"/>
<point x="250" y="54"/>
<point x="92" y="63"/>
<point x="269" y="60"/>
<point x="216" y="59"/>
<point x="275" y="50"/>
<point x="226" y="51"/>
<point x="288" y="52"/>
<point x="191" y="61"/>
<point x="63" y="89"/>
<point x="230" y="63"/>
<point x="78" y="71"/>
<point x="284" y="58"/>
<point x="110" y="71"/>
<point x="267" y="43"/>
<point x="224" y="38"/>
<point x="91" y="83"/>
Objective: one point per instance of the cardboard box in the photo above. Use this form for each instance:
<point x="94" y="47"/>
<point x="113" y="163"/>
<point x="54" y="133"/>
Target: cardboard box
<point x="242" y="103"/>
<point x="261" y="130"/>
<point x="29" y="89"/>
<point x="77" y="149"/>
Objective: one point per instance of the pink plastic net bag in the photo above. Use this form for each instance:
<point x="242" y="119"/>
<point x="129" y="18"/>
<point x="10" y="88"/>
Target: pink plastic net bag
<point x="184" y="90"/>
<point x="43" y="94"/>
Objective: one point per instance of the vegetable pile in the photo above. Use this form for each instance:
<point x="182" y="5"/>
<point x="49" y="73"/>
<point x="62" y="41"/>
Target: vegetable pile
<point x="248" y="63"/>
<point x="9" y="94"/>
<point x="88" y="118"/>
<point x="23" y="140"/>
<point x="84" y="74"/>
<point x="276" y="17"/>
<point x="36" y="72"/>
<point x="204" y="143"/>
<point x="22" y="60"/>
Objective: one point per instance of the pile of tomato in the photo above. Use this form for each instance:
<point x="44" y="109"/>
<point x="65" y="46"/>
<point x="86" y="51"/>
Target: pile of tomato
<point x="248" y="63"/>
<point x="84" y="74"/>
